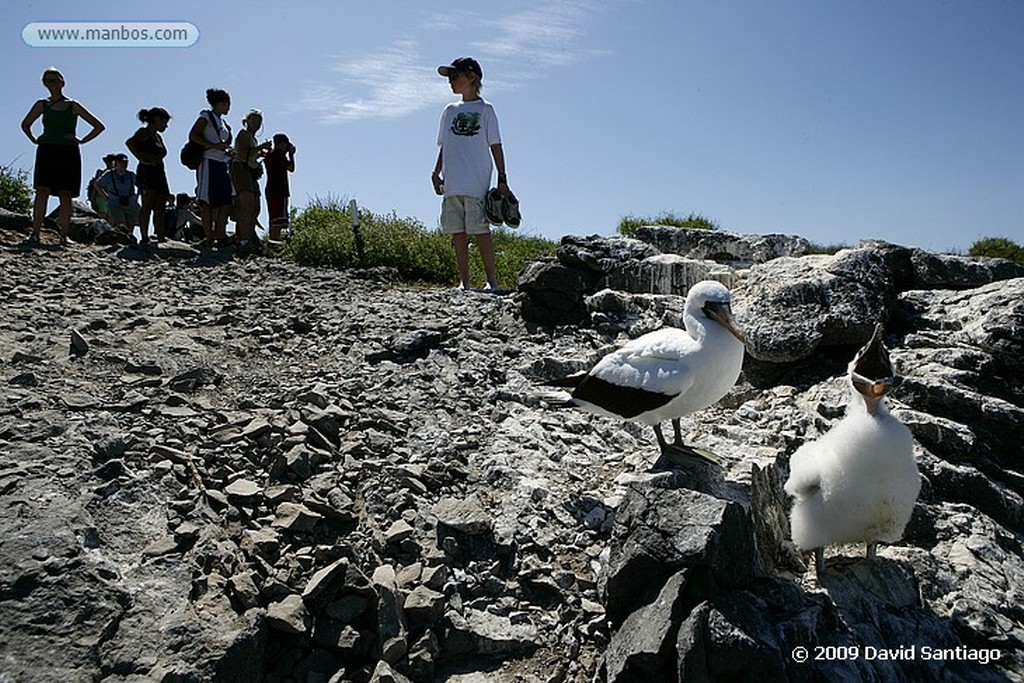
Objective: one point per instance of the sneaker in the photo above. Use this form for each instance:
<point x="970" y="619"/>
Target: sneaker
<point x="510" y="210"/>
<point x="492" y="207"/>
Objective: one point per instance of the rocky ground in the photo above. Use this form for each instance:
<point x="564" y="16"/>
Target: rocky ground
<point x="238" y="469"/>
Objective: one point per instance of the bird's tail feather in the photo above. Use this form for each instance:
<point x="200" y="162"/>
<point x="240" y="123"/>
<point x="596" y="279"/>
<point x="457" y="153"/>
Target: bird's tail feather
<point x="570" y="381"/>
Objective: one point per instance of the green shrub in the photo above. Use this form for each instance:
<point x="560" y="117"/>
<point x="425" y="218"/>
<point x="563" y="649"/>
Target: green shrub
<point x="322" y="236"/>
<point x="15" y="192"/>
<point x="629" y="224"/>
<point x="998" y="247"/>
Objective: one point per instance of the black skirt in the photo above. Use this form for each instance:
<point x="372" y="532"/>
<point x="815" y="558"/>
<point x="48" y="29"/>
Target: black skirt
<point x="58" y="169"/>
<point x="152" y="178"/>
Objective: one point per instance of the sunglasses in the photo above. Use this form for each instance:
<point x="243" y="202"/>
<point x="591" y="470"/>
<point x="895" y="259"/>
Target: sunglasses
<point x="452" y="75"/>
<point x="51" y="80"/>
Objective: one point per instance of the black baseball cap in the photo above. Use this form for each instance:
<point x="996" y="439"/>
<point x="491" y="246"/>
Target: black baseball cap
<point x="463" y="64"/>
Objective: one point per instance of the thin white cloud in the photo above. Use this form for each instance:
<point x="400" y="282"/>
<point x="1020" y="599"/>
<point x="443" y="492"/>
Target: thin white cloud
<point x="522" y="45"/>
<point x="542" y="37"/>
<point x="389" y="85"/>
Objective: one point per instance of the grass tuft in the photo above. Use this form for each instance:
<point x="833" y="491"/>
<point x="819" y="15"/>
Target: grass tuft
<point x="628" y="224"/>
<point x="322" y="235"/>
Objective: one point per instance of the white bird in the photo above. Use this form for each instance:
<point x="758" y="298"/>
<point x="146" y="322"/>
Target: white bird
<point x="665" y="374"/>
<point x="858" y="482"/>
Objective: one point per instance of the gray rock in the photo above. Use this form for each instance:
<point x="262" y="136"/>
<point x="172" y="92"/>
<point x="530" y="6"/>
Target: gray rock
<point x="736" y="249"/>
<point x="666" y="274"/>
<point x="554" y="293"/>
<point x="14" y="221"/>
<point x="423" y="606"/>
<point x="325" y="583"/>
<point x="789" y="308"/>
<point x="601" y="254"/>
<point x="383" y="673"/>
<point x="481" y="633"/>
<point x="289" y="616"/>
<point x="943" y="271"/>
<point x="295" y="517"/>
<point x="243" y="489"/>
<point x="638" y="648"/>
<point x="659" y="531"/>
<point x="391" y="625"/>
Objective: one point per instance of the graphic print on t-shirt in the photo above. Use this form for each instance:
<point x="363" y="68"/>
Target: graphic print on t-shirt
<point x="466" y="123"/>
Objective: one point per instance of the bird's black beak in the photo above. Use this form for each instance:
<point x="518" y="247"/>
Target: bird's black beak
<point x="721" y="313"/>
<point x="871" y="370"/>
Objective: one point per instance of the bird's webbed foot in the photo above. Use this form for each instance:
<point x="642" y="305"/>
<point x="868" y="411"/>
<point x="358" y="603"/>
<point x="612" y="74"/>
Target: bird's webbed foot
<point x="681" y="454"/>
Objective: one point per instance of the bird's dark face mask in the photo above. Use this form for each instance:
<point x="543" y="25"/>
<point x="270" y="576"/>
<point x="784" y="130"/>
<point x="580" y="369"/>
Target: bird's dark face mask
<point x="721" y="313"/>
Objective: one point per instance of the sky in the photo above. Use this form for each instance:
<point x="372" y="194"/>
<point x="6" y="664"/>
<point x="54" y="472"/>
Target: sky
<point x="837" y="121"/>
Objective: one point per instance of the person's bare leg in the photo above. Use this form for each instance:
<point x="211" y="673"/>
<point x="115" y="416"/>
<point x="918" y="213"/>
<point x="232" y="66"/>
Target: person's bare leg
<point x="461" y="243"/>
<point x="39" y="210"/>
<point x="144" y="212"/>
<point x="159" y="214"/>
<point x="486" y="246"/>
<point x="64" y="217"/>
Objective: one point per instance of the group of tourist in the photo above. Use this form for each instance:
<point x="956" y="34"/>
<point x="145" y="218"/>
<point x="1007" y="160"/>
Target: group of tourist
<point x="227" y="180"/>
<point x="228" y="173"/>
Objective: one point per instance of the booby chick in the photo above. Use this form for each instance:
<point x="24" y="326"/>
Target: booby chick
<point x="666" y="374"/>
<point x="859" y="481"/>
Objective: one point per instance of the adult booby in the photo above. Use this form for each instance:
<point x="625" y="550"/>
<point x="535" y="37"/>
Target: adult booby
<point x="665" y="374"/>
<point x="857" y="483"/>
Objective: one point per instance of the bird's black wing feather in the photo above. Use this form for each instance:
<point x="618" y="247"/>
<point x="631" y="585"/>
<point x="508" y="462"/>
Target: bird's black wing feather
<point x="625" y="401"/>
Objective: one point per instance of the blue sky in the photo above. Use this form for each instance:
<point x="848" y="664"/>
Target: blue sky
<point x="838" y="120"/>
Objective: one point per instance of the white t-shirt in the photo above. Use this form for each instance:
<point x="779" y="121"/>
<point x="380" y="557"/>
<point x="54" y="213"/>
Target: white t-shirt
<point x="467" y="131"/>
<point x="213" y="132"/>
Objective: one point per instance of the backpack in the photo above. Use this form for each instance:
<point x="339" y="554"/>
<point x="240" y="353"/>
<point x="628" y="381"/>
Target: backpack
<point x="192" y="153"/>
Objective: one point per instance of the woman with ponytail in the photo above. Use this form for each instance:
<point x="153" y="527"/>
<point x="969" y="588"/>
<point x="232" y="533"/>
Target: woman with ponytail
<point x="148" y="147"/>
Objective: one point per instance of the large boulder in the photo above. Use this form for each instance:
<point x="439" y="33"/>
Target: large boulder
<point x="666" y="274"/>
<point x="736" y="249"/>
<point x="601" y="254"/>
<point x="791" y="307"/>
<point x="14" y="221"/>
<point x="662" y="528"/>
<point x="554" y="293"/>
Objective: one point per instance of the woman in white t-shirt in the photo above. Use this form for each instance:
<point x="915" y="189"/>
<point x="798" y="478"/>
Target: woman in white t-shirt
<point x="468" y="139"/>
<point x="213" y="182"/>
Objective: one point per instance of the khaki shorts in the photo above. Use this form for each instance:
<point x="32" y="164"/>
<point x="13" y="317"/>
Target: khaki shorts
<point x="462" y="213"/>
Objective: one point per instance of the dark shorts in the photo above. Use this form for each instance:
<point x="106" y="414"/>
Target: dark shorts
<point x="214" y="183"/>
<point x="58" y="168"/>
<point x="152" y="178"/>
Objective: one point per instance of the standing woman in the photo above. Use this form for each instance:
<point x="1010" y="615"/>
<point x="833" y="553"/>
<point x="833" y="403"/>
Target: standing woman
<point x="245" y="167"/>
<point x="148" y="147"/>
<point x="58" y="168"/>
<point x="213" y="134"/>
